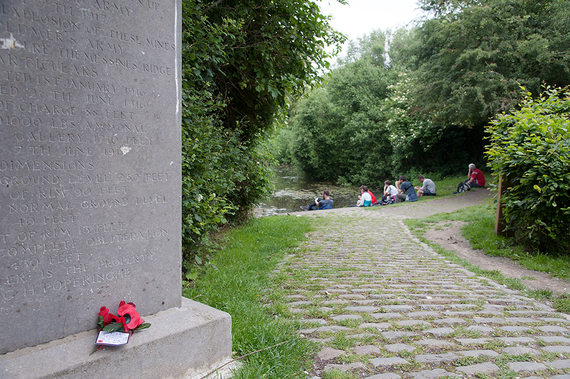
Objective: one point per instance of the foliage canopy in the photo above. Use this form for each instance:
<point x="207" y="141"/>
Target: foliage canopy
<point x="241" y="62"/>
<point x="420" y="98"/>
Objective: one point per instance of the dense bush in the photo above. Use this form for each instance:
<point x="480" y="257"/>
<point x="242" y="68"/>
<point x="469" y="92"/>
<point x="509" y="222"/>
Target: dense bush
<point x="531" y="149"/>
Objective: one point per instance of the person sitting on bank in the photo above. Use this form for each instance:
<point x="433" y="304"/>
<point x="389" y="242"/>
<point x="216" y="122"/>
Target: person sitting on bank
<point x="406" y="190"/>
<point x="366" y="198"/>
<point x="475" y="176"/>
<point x="427" y="188"/>
<point x="325" y="203"/>
<point x="389" y="191"/>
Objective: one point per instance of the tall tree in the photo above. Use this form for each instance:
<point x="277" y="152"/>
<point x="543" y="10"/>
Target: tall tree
<point x="242" y="61"/>
<point x="474" y="55"/>
<point x="341" y="133"/>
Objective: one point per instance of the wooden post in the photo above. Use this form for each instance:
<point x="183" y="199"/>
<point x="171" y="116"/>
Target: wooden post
<point x="500" y="224"/>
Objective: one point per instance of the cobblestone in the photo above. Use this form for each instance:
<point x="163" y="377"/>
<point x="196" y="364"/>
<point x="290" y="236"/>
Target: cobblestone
<point x="383" y="305"/>
<point x="481" y="368"/>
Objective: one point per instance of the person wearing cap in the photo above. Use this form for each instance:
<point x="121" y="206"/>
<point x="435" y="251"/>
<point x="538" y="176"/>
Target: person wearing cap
<point x="475" y="177"/>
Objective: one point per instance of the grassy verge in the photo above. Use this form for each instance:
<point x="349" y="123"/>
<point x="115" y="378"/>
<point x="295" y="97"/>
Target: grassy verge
<point x="240" y="285"/>
<point x="479" y="230"/>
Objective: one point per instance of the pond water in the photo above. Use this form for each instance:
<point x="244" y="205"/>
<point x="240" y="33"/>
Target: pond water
<point x="293" y="190"/>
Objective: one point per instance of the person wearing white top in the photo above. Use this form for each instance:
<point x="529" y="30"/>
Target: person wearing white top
<point x="389" y="189"/>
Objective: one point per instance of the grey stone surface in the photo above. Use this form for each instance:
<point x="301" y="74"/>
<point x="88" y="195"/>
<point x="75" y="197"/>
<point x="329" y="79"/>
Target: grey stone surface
<point x="391" y="361"/>
<point x="367" y="350"/>
<point x="437" y="359"/>
<point x="425" y="314"/>
<point x="553" y="329"/>
<point x="345" y="368"/>
<point x="480" y="329"/>
<point x="362" y="309"/>
<point x="514" y="329"/>
<point x="517" y="340"/>
<point x="557" y="349"/>
<point x="520" y="350"/>
<point x="387" y="375"/>
<point x="560" y="364"/>
<point x="449" y="321"/>
<point x="346" y="317"/>
<point x="552" y="339"/>
<point x="319" y="321"/>
<point x="439" y="332"/>
<point x="435" y="344"/>
<point x="478" y="353"/>
<point x="329" y="353"/>
<point x="386" y="316"/>
<point x="397" y="347"/>
<point x="481" y="368"/>
<point x="397" y="308"/>
<point x="527" y="366"/>
<point x="392" y="335"/>
<point x="412" y="323"/>
<point x="332" y="328"/>
<point x="375" y="325"/>
<point x="431" y="374"/>
<point x="89" y="164"/>
<point x="181" y="342"/>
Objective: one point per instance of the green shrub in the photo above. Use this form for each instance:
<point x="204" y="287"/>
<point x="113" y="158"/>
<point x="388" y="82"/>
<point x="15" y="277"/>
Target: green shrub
<point x="237" y="80"/>
<point x="531" y="149"/>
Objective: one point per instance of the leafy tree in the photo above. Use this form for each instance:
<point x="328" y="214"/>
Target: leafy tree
<point x="531" y="150"/>
<point x="417" y="142"/>
<point x="370" y="48"/>
<point x="474" y="55"/>
<point x="241" y="62"/>
<point x="340" y="129"/>
<point x="278" y="51"/>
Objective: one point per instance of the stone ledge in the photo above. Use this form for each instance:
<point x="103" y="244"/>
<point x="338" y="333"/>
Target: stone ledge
<point x="181" y="343"/>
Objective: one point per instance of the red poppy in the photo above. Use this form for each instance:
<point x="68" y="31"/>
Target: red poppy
<point x="107" y="317"/>
<point x="129" y="316"/>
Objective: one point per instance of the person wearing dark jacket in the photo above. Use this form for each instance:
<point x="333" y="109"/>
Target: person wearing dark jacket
<point x="325" y="203"/>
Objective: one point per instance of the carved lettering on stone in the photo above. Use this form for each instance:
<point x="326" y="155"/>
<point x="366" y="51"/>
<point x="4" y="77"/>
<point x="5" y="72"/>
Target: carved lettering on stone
<point x="89" y="163"/>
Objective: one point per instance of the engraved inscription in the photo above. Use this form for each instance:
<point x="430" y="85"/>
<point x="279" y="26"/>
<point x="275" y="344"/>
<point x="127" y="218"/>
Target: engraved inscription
<point x="88" y="102"/>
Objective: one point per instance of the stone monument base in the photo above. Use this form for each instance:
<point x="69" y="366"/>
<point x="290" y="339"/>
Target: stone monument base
<point x="181" y="343"/>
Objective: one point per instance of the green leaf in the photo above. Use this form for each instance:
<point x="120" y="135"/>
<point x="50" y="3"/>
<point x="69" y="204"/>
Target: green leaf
<point x="113" y="327"/>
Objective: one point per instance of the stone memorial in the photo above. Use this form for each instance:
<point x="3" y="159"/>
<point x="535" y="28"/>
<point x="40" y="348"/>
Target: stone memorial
<point x="89" y="166"/>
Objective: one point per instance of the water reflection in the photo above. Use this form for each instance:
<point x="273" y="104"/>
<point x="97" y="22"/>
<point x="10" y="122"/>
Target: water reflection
<point x="293" y="190"/>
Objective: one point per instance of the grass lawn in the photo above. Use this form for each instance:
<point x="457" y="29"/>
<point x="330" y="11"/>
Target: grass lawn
<point x="239" y="285"/>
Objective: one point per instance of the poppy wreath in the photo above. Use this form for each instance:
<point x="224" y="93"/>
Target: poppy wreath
<point x="127" y="321"/>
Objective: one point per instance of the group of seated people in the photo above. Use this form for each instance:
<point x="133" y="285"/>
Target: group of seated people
<point x="402" y="191"/>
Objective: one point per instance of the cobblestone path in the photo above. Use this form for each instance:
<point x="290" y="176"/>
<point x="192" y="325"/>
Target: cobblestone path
<point x="381" y="304"/>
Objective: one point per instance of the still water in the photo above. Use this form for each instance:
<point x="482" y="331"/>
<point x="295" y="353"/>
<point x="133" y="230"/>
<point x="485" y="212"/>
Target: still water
<point x="293" y="190"/>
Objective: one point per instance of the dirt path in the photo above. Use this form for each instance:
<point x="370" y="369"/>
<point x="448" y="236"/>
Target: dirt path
<point x="450" y="238"/>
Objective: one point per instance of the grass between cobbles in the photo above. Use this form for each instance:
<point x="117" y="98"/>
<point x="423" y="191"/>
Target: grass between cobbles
<point x="240" y="285"/>
<point x="480" y="231"/>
